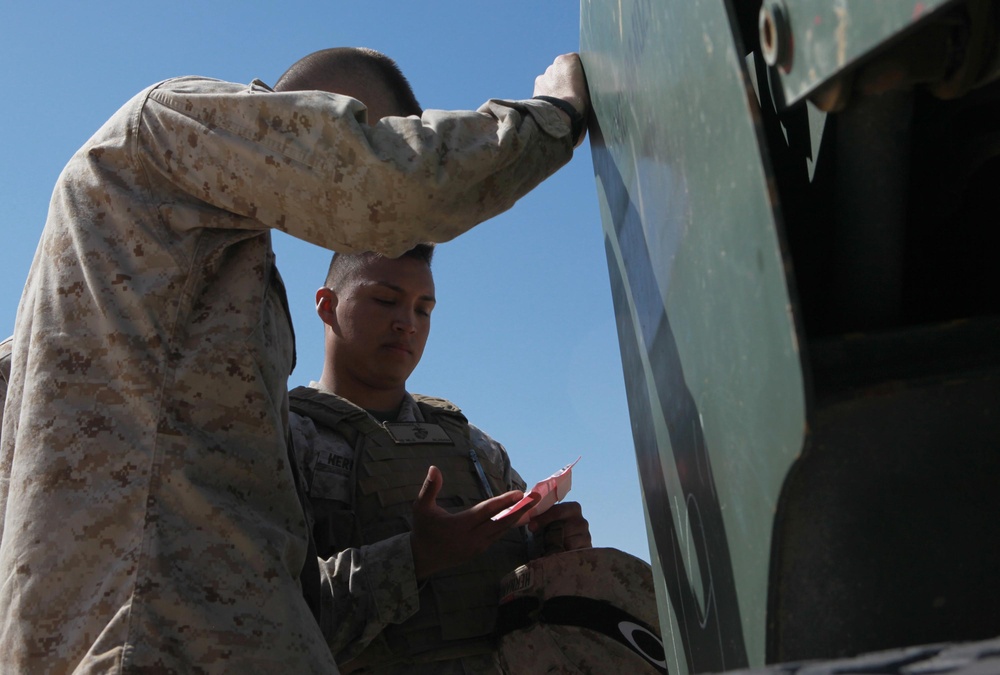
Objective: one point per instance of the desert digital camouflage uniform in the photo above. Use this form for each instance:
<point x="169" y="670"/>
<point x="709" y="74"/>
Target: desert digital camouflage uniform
<point x="150" y="523"/>
<point x="374" y="590"/>
<point x="590" y="610"/>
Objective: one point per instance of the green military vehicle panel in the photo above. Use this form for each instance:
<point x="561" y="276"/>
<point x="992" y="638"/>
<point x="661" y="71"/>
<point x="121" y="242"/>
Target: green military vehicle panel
<point x="705" y="321"/>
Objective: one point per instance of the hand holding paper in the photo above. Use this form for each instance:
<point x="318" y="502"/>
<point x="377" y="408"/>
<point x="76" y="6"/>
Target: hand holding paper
<point x="441" y="540"/>
<point x="545" y="493"/>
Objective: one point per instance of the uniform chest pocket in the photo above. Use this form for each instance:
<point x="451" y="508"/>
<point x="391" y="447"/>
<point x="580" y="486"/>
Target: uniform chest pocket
<point x="332" y="474"/>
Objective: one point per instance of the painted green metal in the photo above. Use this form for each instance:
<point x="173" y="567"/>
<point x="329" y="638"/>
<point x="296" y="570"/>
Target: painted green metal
<point x="816" y="40"/>
<point x="706" y="327"/>
<point x="781" y="531"/>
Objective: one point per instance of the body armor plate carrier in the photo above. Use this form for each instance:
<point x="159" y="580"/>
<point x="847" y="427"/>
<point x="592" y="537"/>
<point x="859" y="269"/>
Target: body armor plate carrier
<point x="458" y="607"/>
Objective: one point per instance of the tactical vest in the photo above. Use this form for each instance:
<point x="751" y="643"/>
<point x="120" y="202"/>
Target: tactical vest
<point x="458" y="607"/>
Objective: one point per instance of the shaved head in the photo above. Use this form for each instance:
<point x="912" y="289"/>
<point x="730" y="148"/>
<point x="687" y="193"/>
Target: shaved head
<point x="365" y="74"/>
<point x="344" y="266"/>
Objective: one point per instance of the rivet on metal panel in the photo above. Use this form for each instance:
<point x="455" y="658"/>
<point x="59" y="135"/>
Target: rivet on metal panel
<point x="775" y="34"/>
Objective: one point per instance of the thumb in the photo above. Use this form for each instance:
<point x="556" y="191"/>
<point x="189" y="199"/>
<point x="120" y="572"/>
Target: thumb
<point x="429" y="490"/>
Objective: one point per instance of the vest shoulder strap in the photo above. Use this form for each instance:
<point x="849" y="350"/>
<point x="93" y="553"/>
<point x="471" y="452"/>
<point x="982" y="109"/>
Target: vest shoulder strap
<point x="332" y="411"/>
<point x="448" y="415"/>
<point x="437" y="405"/>
<point x="443" y="412"/>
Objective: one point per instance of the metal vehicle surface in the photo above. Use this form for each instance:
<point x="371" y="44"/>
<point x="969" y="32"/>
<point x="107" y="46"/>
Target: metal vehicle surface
<point x="800" y="214"/>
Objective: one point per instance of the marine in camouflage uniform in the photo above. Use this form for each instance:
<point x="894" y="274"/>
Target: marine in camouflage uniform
<point x="363" y="446"/>
<point x="372" y="616"/>
<point x="150" y="521"/>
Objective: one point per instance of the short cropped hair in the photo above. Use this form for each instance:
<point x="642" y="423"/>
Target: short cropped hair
<point x="344" y="265"/>
<point x="326" y="70"/>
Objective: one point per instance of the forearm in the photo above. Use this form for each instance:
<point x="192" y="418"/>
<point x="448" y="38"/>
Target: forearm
<point x="363" y="591"/>
<point x="303" y="162"/>
<point x="477" y="165"/>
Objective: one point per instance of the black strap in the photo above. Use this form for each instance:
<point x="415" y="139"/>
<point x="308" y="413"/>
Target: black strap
<point x="595" y="615"/>
<point x="575" y="116"/>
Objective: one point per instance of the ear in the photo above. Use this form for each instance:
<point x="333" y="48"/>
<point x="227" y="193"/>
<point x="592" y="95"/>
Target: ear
<point x="326" y="306"/>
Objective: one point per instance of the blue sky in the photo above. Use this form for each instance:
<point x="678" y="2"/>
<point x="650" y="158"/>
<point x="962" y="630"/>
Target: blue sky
<point x="523" y="337"/>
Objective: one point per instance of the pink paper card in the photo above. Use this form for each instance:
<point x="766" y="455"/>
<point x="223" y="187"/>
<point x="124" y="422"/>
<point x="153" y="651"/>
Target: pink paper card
<point x="538" y="499"/>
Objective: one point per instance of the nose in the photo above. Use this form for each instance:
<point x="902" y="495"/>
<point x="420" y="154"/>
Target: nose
<point x="405" y="322"/>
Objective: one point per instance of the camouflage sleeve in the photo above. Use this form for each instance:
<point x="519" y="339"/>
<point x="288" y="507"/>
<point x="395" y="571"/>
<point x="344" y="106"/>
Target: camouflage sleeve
<point x="308" y="164"/>
<point x="497" y="454"/>
<point x="364" y="590"/>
